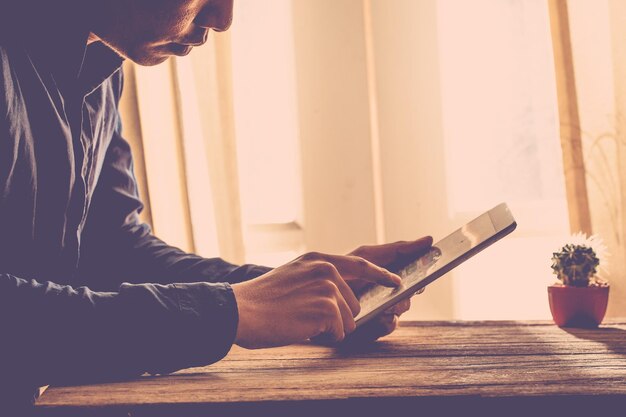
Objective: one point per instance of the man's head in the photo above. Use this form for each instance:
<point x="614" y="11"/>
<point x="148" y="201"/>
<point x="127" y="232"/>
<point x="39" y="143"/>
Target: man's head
<point x="149" y="31"/>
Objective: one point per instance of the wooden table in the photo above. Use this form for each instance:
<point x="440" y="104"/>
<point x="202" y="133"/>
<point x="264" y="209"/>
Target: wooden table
<point x="493" y="368"/>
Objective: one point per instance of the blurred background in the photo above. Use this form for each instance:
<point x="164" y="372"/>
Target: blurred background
<point x="328" y="124"/>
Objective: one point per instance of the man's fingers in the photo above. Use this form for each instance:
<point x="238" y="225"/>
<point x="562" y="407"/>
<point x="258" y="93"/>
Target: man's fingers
<point x="387" y="323"/>
<point x="359" y="268"/>
<point x="347" y="316"/>
<point x="382" y="326"/>
<point x="415" y="247"/>
<point x="335" y="331"/>
<point x="400" y="308"/>
<point x="346" y="293"/>
<point x="420" y="291"/>
<point x="388" y="254"/>
<point x="330" y="280"/>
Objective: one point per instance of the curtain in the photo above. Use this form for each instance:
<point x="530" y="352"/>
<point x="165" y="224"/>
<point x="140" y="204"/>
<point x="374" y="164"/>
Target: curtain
<point x="590" y="61"/>
<point x="186" y="164"/>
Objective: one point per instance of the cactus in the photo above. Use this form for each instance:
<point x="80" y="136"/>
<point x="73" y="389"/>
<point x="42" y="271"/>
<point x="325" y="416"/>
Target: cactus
<point x="575" y="265"/>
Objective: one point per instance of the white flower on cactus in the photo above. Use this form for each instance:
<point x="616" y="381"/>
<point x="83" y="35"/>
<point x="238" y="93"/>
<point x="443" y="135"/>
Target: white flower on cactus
<point x="596" y="243"/>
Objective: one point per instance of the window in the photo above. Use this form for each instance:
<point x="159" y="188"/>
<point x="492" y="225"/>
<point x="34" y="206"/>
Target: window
<point x="266" y="130"/>
<point x="501" y="142"/>
<point x="465" y="110"/>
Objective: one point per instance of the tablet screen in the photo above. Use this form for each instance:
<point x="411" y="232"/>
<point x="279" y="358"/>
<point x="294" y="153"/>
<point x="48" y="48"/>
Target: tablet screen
<point x="442" y="257"/>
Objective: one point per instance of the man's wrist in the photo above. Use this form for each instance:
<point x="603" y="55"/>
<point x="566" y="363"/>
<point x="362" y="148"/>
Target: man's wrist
<point x="244" y="327"/>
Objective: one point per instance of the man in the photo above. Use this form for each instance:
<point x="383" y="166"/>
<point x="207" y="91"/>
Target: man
<point x="86" y="291"/>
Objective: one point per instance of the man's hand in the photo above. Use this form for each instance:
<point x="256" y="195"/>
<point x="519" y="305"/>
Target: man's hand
<point x="308" y="297"/>
<point x="386" y="256"/>
<point x="314" y="295"/>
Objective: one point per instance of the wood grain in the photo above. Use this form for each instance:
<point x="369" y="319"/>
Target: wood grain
<point x="493" y="366"/>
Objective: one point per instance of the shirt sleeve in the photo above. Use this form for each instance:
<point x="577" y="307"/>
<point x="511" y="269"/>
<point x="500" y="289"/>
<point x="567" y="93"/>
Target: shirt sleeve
<point x="117" y="247"/>
<point x="69" y="335"/>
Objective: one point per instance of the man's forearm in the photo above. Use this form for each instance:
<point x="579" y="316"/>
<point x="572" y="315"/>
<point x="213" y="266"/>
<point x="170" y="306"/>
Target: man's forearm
<point x="134" y="255"/>
<point x="58" y="334"/>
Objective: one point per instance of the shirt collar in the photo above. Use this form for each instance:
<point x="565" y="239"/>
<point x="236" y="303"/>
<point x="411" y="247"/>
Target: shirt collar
<point x="77" y="66"/>
<point x="98" y="64"/>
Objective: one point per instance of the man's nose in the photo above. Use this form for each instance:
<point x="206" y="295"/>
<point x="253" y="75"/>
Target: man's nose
<point x="217" y="15"/>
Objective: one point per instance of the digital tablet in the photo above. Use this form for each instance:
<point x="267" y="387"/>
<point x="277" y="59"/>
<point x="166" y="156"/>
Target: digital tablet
<point x="444" y="255"/>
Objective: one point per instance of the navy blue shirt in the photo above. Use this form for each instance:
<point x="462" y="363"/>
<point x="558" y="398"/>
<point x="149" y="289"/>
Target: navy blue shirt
<point x="86" y="291"/>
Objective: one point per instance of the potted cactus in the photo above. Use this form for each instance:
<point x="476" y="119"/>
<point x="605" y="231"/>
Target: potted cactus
<point x="581" y="297"/>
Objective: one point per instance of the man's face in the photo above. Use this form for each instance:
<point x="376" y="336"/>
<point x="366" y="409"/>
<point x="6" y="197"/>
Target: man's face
<point x="149" y="31"/>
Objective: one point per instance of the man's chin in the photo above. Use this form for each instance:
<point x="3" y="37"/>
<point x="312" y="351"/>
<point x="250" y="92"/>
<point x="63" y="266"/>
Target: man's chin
<point x="149" y="60"/>
<point x="142" y="56"/>
<point x="150" y="55"/>
<point x="146" y="57"/>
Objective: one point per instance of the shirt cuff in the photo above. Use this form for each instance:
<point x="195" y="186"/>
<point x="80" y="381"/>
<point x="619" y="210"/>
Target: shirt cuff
<point x="210" y="310"/>
<point x="213" y="317"/>
<point x="200" y="331"/>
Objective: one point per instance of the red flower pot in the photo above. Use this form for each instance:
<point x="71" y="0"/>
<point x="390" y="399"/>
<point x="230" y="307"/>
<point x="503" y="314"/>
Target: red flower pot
<point x="578" y="306"/>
